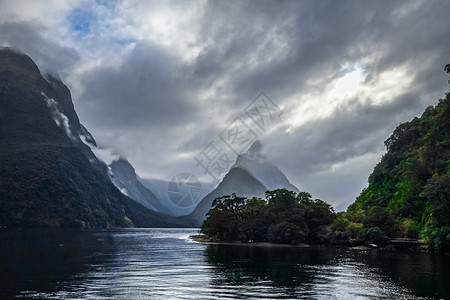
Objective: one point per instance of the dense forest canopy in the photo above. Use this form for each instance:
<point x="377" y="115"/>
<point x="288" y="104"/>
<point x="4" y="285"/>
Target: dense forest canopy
<point x="411" y="184"/>
<point x="283" y="217"/>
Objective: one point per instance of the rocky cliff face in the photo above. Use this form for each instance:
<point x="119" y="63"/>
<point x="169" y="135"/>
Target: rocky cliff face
<point x="48" y="176"/>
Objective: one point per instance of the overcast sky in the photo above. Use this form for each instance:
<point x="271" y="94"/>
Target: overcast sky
<point x="160" y="80"/>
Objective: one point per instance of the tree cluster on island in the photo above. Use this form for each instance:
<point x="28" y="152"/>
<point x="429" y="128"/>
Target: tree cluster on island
<point x="283" y="217"/>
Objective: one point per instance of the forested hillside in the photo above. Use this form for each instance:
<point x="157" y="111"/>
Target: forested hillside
<point x="409" y="190"/>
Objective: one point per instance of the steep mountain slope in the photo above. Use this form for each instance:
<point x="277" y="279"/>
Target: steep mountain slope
<point x="48" y="176"/>
<point x="251" y="176"/>
<point x="125" y="178"/>
<point x="411" y="184"/>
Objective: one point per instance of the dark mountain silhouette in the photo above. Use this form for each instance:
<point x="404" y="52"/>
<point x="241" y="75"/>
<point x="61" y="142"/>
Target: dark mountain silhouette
<point x="48" y="176"/>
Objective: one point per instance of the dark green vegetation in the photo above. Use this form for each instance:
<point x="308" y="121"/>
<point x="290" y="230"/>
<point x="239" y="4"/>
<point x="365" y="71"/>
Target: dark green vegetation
<point x="409" y="190"/>
<point x="284" y="217"/>
<point x="408" y="197"/>
<point x="48" y="176"/>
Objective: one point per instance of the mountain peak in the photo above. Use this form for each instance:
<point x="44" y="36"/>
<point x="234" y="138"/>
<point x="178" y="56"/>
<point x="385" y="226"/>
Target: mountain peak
<point x="11" y="58"/>
<point x="259" y="166"/>
<point x="256" y="147"/>
<point x="251" y="176"/>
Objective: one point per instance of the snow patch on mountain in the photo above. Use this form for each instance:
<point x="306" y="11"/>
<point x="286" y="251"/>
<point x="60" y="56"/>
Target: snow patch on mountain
<point x="122" y="174"/>
<point x="102" y="154"/>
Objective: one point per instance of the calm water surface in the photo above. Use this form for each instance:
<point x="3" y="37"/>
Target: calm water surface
<point x="165" y="264"/>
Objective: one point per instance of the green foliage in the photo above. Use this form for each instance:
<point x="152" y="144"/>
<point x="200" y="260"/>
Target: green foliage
<point x="344" y="232"/>
<point x="409" y="190"/>
<point x="283" y="217"/>
<point x="437" y="191"/>
<point x="375" y="235"/>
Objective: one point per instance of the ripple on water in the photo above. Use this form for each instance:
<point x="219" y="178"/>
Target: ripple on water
<point x="165" y="264"/>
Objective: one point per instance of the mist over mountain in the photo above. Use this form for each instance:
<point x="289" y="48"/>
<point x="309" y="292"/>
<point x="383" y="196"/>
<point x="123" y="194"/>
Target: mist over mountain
<point x="161" y="189"/>
<point x="258" y="166"/>
<point x="251" y="176"/>
<point x="49" y="176"/>
<point x="125" y="178"/>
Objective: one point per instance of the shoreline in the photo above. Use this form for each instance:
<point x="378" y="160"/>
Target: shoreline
<point x="204" y="239"/>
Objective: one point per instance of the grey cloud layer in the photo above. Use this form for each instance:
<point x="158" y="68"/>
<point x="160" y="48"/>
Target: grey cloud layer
<point x="160" y="108"/>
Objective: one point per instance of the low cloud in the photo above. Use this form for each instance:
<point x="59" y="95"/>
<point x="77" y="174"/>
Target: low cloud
<point x="158" y="81"/>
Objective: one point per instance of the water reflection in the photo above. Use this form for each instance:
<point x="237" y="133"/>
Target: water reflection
<point x="323" y="272"/>
<point x="427" y="274"/>
<point x="37" y="259"/>
<point x="282" y="266"/>
<point x="165" y="264"/>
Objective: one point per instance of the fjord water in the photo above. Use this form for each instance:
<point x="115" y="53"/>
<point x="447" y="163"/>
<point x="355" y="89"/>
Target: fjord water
<point x="165" y="264"/>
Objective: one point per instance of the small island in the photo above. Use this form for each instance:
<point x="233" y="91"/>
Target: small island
<point x="287" y="219"/>
<point x="284" y="217"/>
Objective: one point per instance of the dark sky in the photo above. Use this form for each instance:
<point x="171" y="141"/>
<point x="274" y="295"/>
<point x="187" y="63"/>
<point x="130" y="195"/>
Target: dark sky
<point x="159" y="81"/>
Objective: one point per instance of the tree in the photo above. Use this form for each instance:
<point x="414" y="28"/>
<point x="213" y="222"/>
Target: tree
<point x="232" y="204"/>
<point x="437" y="191"/>
<point x="287" y="233"/>
<point x="281" y="203"/>
<point x="255" y="221"/>
<point x="224" y="221"/>
<point x="447" y="69"/>
<point x="318" y="215"/>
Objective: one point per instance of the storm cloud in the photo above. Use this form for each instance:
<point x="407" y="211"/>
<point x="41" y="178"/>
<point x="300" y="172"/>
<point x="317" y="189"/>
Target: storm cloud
<point x="158" y="81"/>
